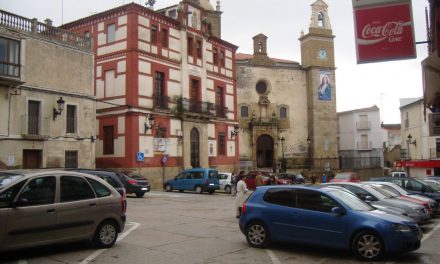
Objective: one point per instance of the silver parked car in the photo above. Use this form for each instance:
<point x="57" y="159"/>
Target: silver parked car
<point x="376" y="196"/>
<point x="40" y="207"/>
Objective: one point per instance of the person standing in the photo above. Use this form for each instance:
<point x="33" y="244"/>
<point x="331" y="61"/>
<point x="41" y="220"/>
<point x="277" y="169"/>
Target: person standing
<point x="324" y="178"/>
<point x="274" y="166"/>
<point x="313" y="178"/>
<point x="259" y="180"/>
<point x="241" y="194"/>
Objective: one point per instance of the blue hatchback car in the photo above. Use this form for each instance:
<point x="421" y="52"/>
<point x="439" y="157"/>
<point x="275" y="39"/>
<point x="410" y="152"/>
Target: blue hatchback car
<point x="198" y="180"/>
<point x="329" y="217"/>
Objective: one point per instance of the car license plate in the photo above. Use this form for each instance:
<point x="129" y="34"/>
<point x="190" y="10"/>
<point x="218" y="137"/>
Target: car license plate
<point x="144" y="189"/>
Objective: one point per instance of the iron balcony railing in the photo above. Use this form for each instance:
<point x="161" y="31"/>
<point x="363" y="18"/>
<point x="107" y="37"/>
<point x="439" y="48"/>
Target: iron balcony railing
<point x="221" y="111"/>
<point x="194" y="106"/>
<point x="9" y="69"/>
<point x="35" y="126"/>
<point x="161" y="102"/>
<point x="49" y="32"/>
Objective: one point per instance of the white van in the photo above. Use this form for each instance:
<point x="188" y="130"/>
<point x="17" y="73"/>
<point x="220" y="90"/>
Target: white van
<point x="399" y="174"/>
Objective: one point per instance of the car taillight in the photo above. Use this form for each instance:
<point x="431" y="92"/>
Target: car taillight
<point x="243" y="208"/>
<point x="124" y="201"/>
<point x="133" y="182"/>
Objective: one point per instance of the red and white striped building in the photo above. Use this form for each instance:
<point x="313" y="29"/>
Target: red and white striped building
<point x="165" y="86"/>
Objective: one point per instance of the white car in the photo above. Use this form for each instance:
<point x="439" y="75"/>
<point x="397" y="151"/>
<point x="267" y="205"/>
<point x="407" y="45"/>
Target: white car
<point x="225" y="181"/>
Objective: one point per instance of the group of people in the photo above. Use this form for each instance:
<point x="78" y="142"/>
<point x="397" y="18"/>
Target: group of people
<point x="241" y="188"/>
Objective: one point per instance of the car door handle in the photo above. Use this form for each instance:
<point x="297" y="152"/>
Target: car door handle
<point x="92" y="204"/>
<point x="50" y="211"/>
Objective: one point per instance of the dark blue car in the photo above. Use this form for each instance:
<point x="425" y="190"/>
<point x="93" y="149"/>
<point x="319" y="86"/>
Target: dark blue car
<point x="328" y="217"/>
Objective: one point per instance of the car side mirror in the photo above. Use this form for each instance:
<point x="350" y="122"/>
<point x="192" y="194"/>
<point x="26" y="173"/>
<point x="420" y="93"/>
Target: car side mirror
<point x="337" y="211"/>
<point x="21" y="202"/>
<point x="369" y="199"/>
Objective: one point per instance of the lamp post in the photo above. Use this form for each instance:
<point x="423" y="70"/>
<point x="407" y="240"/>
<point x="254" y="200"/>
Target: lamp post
<point x="283" y="162"/>
<point x="309" y="141"/>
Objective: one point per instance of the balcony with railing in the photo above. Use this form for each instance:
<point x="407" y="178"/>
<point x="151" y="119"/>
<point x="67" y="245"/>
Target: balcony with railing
<point x="195" y="109"/>
<point x="161" y="103"/>
<point x="221" y="111"/>
<point x="35" y="127"/>
<point x="364" y="145"/>
<point x="363" y="125"/>
<point x="47" y="31"/>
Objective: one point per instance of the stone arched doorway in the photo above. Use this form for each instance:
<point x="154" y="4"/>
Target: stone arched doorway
<point x="195" y="148"/>
<point x="265" y="151"/>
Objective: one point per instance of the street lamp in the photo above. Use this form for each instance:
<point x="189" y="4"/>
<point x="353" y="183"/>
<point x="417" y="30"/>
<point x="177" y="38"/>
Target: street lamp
<point x="283" y="162"/>
<point x="60" y="107"/>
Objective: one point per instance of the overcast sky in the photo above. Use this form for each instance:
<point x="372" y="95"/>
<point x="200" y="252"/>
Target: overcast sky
<point x="358" y="86"/>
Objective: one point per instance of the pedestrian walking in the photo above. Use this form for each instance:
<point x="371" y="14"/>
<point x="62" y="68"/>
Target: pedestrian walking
<point x="324" y="178"/>
<point x="259" y="179"/>
<point x="274" y="166"/>
<point x="234" y="181"/>
<point x="313" y="178"/>
<point x="241" y="194"/>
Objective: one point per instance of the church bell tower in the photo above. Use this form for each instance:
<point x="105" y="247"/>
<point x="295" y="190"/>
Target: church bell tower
<point x="317" y="58"/>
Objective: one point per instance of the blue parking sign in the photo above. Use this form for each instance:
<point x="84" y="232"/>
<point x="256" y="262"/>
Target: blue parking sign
<point x="140" y="157"/>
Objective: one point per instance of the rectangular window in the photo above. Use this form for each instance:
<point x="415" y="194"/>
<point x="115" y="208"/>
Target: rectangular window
<point x="244" y="111"/>
<point x="220" y="104"/>
<point x="406" y="120"/>
<point x="222" y="58"/>
<point x="71" y="119"/>
<point x="199" y="49"/>
<point x="364" y="142"/>
<point x="172" y="13"/>
<point x="33" y="117"/>
<point x="164" y="38"/>
<point x="87" y="34"/>
<point x="160" y="100"/>
<point x="153" y="34"/>
<point x="111" y="33"/>
<point x="9" y="57"/>
<point x="283" y="112"/>
<point x="71" y="159"/>
<point x="190" y="46"/>
<point x="221" y="143"/>
<point x="214" y="56"/>
<point x="108" y="140"/>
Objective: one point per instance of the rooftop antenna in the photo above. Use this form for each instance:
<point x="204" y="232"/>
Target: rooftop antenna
<point x="150" y="3"/>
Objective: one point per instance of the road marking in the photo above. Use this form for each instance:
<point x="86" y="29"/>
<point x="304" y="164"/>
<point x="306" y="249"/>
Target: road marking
<point x="100" y="251"/>
<point x="431" y="232"/>
<point x="272" y="256"/>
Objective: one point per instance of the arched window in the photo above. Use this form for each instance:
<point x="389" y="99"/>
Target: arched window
<point x="244" y="111"/>
<point x="283" y="112"/>
<point x="321" y="19"/>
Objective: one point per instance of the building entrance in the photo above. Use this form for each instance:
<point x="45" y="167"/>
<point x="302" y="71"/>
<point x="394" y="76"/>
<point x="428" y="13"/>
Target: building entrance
<point x="265" y="151"/>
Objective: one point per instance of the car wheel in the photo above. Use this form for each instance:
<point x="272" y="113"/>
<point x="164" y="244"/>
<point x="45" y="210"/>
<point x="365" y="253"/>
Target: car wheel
<point x="368" y="245"/>
<point x="211" y="191"/>
<point x="168" y="188"/>
<point x="106" y="234"/>
<point x="198" y="189"/>
<point x="140" y="194"/>
<point x="257" y="235"/>
<point x="228" y="189"/>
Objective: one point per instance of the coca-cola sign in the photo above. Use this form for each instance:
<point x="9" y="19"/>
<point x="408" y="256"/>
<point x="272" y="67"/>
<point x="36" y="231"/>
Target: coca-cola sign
<point x="384" y="32"/>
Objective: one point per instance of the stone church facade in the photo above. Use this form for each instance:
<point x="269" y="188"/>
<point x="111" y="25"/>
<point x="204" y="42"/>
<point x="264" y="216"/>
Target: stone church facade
<point x="287" y="110"/>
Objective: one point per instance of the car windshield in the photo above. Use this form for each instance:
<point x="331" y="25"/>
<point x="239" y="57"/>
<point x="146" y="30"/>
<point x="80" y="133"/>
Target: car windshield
<point x="342" y="176"/>
<point x="351" y="201"/>
<point x="8" y="178"/>
<point x="381" y="191"/>
<point x="433" y="185"/>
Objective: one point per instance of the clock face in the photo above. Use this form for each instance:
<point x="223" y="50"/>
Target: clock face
<point x="322" y="54"/>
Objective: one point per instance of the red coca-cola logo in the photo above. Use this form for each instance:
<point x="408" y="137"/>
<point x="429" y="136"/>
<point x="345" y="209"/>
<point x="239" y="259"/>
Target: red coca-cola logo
<point x="384" y="32"/>
<point x="393" y="30"/>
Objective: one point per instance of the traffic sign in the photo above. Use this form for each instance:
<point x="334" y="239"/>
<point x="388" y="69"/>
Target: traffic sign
<point x="140" y="157"/>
